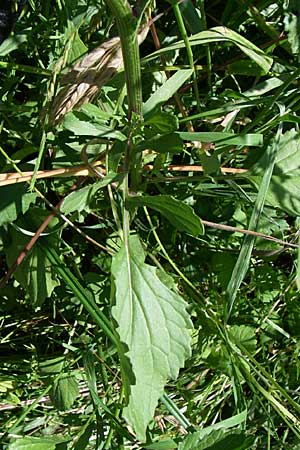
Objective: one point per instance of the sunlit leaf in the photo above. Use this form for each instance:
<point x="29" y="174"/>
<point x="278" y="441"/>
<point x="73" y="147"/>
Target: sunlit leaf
<point x="254" y="139"/>
<point x="292" y="25"/>
<point x="154" y="326"/>
<point x="244" y="335"/>
<point x="35" y="443"/>
<point x="216" y="440"/>
<point x="284" y="189"/>
<point x="80" y="199"/>
<point x="166" y="91"/>
<point x="222" y="34"/>
<point x="84" y="128"/>
<point x="179" y="214"/>
<point x="14" y="200"/>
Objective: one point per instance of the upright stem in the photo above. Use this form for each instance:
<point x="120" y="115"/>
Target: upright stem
<point x="127" y="27"/>
<point x="188" y="48"/>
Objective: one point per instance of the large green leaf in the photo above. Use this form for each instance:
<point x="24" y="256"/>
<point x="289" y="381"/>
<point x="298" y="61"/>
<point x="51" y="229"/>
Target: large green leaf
<point x="221" y="34"/>
<point x="155" y="328"/>
<point x="180" y="215"/>
<point x="14" y="200"/>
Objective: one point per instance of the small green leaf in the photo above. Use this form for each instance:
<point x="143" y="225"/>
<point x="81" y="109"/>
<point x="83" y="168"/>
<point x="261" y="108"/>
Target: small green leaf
<point x="14" y="200"/>
<point x="244" y="67"/>
<point x="245" y="335"/>
<point x="65" y="391"/>
<point x="216" y="440"/>
<point x="162" y="122"/>
<point x="167" y="143"/>
<point x="78" y="47"/>
<point x="80" y="200"/>
<point x="254" y="139"/>
<point x="52" y="366"/>
<point x="97" y="114"/>
<point x="164" y="444"/>
<point x="153" y="325"/>
<point x="166" y="91"/>
<point x="12" y="43"/>
<point x="35" y="273"/>
<point x="83" y="128"/>
<point x="180" y="215"/>
<point x="292" y="25"/>
<point x="34" y="443"/>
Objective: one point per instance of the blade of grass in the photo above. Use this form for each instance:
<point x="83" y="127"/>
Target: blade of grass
<point x="189" y="51"/>
<point x="86" y="300"/>
<point x="242" y="264"/>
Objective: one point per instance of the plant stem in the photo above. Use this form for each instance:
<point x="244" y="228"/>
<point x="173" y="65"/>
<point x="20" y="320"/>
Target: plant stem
<point x="127" y="26"/>
<point x="189" y="51"/>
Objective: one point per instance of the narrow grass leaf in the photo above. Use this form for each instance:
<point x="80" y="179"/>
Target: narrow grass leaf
<point x="180" y="215"/>
<point x="155" y="328"/>
<point x="242" y="264"/>
<point x="284" y="190"/>
<point x="221" y="34"/>
<point x="251" y="139"/>
<point x="166" y="91"/>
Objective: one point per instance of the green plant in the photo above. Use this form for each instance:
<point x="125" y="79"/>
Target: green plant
<point x="157" y="318"/>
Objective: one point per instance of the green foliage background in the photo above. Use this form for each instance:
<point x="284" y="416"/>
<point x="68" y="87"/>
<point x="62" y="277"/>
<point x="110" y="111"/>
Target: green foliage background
<point x="143" y="317"/>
